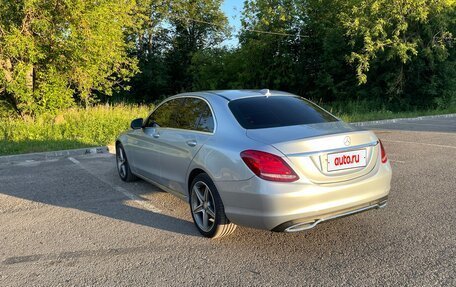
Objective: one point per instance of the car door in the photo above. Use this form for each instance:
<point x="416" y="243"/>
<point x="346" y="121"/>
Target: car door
<point x="194" y="124"/>
<point x="147" y="146"/>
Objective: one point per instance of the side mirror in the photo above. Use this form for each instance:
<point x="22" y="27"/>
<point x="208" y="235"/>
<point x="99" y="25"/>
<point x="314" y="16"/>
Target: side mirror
<point x="136" y="124"/>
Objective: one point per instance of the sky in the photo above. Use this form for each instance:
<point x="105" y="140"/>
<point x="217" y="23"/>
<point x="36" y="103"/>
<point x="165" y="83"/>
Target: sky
<point x="232" y="9"/>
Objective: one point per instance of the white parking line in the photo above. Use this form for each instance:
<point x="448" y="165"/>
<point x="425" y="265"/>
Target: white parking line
<point x="136" y="199"/>
<point x="398" y="161"/>
<point x="420" y="124"/>
<point x="74" y="160"/>
<point x="428" y="144"/>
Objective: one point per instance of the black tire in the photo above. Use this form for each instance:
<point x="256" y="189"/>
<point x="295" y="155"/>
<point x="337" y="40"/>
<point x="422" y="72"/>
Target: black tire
<point x="123" y="167"/>
<point x="217" y="224"/>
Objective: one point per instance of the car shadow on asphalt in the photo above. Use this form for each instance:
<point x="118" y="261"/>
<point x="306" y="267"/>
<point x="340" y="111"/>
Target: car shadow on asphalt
<point x="63" y="184"/>
<point x="117" y="208"/>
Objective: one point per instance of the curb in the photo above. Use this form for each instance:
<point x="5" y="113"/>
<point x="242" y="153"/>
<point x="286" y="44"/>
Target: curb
<point x="55" y="154"/>
<point x="392" y="121"/>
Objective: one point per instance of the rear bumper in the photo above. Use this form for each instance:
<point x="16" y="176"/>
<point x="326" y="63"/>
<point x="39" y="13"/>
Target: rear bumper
<point x="279" y="206"/>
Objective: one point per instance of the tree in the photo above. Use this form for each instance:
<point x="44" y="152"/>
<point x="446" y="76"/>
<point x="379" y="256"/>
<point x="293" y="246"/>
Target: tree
<point x="151" y="38"/>
<point x="53" y="52"/>
<point x="172" y="37"/>
<point x="328" y="49"/>
<point x="269" y="42"/>
<point x="195" y="25"/>
<point x="399" y="29"/>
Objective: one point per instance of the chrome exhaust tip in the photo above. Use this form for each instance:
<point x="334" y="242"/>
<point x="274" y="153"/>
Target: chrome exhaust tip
<point x="382" y="204"/>
<point x="302" y="226"/>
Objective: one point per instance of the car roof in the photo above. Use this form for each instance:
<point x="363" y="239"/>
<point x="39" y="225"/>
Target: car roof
<point x="239" y="94"/>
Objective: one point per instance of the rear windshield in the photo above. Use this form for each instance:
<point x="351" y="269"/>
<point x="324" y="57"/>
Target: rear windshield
<point x="277" y="111"/>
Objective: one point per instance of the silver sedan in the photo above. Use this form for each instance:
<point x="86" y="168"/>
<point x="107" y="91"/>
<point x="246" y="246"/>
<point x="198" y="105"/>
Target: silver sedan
<point x="262" y="159"/>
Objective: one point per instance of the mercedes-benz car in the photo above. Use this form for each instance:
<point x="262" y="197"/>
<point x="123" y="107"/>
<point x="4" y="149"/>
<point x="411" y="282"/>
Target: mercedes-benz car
<point x="257" y="158"/>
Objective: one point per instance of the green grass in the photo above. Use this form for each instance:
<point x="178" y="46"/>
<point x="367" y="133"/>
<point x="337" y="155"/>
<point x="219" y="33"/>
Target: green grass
<point x="73" y="128"/>
<point x="100" y="125"/>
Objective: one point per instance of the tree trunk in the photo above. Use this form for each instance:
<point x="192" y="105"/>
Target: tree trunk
<point x="30" y="78"/>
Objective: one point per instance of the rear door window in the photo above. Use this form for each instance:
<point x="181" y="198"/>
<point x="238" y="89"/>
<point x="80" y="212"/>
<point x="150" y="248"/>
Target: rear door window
<point x="198" y="115"/>
<point x="277" y="111"/>
<point x="203" y="115"/>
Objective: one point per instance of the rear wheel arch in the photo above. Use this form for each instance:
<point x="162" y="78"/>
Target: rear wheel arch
<point x="194" y="173"/>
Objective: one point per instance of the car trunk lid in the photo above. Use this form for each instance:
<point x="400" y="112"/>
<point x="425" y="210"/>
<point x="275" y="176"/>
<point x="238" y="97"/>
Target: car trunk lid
<point x="325" y="152"/>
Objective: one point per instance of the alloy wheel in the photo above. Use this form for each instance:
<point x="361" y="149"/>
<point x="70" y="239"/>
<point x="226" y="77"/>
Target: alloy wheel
<point x="203" y="206"/>
<point x="121" y="163"/>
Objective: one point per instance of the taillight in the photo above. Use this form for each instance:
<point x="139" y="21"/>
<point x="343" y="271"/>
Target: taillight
<point x="383" y="152"/>
<point x="268" y="166"/>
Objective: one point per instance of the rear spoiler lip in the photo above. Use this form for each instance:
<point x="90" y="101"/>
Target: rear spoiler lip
<point x="347" y="148"/>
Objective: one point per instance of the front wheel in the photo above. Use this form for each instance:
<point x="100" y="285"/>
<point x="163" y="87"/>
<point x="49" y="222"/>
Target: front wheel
<point x="123" y="167"/>
<point x="207" y="208"/>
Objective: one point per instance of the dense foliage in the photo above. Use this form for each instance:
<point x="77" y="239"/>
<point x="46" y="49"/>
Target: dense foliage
<point x="384" y="54"/>
<point x="391" y="54"/>
<point x="55" y="53"/>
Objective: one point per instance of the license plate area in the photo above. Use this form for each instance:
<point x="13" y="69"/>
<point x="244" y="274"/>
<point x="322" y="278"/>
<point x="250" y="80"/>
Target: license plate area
<point x="347" y="160"/>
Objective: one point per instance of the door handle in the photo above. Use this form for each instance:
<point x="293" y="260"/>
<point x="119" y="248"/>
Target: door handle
<point x="191" y="143"/>
<point x="157" y="135"/>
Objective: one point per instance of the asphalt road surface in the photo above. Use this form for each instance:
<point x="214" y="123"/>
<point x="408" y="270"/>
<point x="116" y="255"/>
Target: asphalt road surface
<point x="72" y="222"/>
